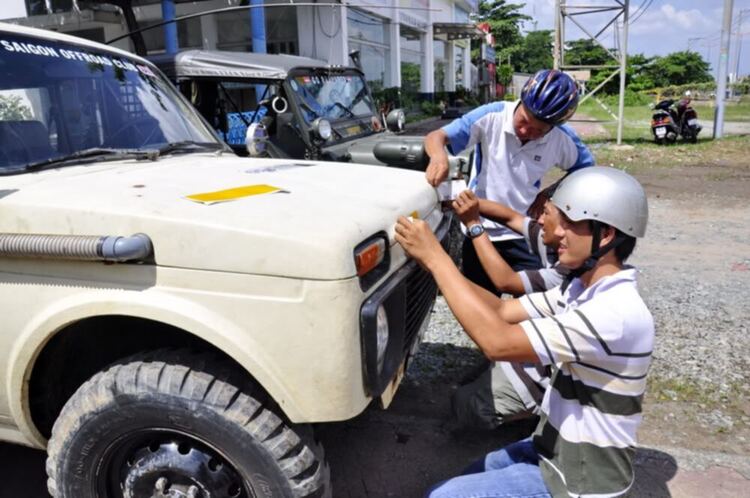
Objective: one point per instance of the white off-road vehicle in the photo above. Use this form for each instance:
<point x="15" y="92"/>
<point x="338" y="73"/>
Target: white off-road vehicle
<point x="174" y="317"/>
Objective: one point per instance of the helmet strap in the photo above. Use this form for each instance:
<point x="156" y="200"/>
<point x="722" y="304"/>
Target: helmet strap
<point x="596" y="253"/>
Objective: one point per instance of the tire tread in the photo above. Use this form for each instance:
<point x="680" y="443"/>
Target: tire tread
<point x="198" y="378"/>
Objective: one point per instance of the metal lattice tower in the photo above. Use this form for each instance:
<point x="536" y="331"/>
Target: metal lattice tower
<point x="576" y="14"/>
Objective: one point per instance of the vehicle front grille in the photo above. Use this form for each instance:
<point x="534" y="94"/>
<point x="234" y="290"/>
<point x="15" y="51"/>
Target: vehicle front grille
<point x="421" y="290"/>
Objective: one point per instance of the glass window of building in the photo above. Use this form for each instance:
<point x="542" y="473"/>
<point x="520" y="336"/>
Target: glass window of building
<point x="189" y="34"/>
<point x="461" y="16"/>
<point x="367" y="34"/>
<point x="411" y="60"/>
<point x="233" y="30"/>
<point x="281" y="31"/>
<point x="42" y="7"/>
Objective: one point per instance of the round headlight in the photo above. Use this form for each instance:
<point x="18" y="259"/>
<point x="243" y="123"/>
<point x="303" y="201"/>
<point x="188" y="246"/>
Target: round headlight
<point x="255" y="139"/>
<point x="322" y="128"/>
<point x="381" y="336"/>
<point x="396" y="120"/>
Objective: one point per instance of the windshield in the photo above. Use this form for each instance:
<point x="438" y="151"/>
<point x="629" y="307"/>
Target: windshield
<point x="332" y="97"/>
<point x="58" y="99"/>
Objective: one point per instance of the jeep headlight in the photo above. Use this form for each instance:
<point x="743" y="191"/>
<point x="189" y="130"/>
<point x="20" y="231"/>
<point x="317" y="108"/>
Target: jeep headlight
<point x="255" y="140"/>
<point x="322" y="129"/>
<point x="396" y="120"/>
<point x="381" y="334"/>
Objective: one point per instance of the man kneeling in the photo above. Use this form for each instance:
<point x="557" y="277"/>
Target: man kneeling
<point x="594" y="331"/>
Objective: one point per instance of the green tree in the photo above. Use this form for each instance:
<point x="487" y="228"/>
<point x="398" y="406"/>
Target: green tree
<point x="535" y="52"/>
<point x="587" y="52"/>
<point x="678" y="68"/>
<point x="12" y="108"/>
<point x="505" y="24"/>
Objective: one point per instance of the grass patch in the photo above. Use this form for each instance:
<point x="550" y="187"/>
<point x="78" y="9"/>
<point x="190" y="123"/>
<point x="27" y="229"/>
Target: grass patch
<point x="733" y="111"/>
<point x="729" y="151"/>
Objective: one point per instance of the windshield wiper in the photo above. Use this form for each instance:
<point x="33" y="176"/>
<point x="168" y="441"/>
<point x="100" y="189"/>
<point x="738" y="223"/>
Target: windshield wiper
<point x="346" y="109"/>
<point x="92" y="154"/>
<point x="307" y="106"/>
<point x="182" y="146"/>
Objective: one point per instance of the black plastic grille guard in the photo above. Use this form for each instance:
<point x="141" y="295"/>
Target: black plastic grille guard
<point x="408" y="296"/>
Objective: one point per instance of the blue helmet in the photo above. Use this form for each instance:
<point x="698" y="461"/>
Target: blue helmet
<point x="551" y="96"/>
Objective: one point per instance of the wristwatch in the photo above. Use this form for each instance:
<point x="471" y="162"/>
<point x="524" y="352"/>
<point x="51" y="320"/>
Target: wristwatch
<point x="475" y="230"/>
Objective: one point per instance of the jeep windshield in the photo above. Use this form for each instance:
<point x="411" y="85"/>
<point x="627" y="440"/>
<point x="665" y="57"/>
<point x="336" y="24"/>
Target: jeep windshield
<point x="339" y="98"/>
<point x="63" y="103"/>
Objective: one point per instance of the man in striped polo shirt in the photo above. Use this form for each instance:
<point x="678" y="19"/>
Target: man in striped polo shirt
<point x="507" y="391"/>
<point x="594" y="332"/>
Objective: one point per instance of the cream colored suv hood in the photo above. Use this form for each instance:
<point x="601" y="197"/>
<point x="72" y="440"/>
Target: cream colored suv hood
<point x="307" y="231"/>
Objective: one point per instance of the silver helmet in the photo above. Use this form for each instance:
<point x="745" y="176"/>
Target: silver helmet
<point x="604" y="194"/>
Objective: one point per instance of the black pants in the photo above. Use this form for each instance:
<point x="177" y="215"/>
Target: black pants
<point x="515" y="252"/>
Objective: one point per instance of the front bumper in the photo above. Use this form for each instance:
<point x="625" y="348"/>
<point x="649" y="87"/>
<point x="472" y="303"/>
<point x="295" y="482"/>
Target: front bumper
<point x="407" y="296"/>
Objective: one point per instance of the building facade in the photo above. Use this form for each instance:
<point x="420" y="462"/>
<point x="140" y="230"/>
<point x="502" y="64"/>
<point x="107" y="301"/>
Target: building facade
<point x="419" y="46"/>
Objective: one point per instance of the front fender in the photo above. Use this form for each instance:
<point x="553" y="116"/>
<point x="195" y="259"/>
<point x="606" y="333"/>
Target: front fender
<point x="154" y="305"/>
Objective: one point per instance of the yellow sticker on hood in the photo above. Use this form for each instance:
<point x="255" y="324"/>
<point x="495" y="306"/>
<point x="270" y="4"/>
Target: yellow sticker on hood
<point x="233" y="194"/>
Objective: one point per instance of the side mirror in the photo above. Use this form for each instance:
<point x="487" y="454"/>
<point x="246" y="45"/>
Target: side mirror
<point x="256" y="140"/>
<point x="396" y="120"/>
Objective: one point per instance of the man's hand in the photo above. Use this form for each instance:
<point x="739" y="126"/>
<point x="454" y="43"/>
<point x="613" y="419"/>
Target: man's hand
<point x="418" y="241"/>
<point x="434" y="146"/>
<point x="437" y="170"/>
<point x="466" y="207"/>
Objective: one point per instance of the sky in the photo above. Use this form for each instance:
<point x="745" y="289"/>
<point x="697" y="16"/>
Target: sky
<point x="665" y="26"/>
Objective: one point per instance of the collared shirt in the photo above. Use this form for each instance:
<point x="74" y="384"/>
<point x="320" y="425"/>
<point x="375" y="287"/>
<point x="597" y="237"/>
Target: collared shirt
<point x="598" y="341"/>
<point x="505" y="170"/>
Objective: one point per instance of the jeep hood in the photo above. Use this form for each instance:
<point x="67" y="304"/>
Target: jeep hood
<point x="307" y="230"/>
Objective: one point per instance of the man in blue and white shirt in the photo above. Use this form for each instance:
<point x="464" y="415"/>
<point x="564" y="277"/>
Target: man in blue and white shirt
<point x="516" y="144"/>
<point x="594" y="332"/>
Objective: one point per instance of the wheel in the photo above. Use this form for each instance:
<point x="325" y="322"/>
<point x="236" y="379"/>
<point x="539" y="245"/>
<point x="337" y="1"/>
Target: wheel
<point x="659" y="141"/>
<point x="179" y="424"/>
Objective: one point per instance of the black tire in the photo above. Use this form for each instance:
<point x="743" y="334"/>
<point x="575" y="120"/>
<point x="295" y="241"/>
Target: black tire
<point x="192" y="411"/>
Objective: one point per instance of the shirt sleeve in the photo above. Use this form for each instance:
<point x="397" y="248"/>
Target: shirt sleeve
<point x="540" y="280"/>
<point x="579" y="156"/>
<point x="532" y="234"/>
<point x="541" y="304"/>
<point x="464" y="132"/>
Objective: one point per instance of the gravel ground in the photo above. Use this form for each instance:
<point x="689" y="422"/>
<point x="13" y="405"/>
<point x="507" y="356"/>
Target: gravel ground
<point x="694" y="276"/>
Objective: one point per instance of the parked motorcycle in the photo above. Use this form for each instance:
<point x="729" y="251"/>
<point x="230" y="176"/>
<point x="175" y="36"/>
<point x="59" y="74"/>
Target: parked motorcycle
<point x="669" y="121"/>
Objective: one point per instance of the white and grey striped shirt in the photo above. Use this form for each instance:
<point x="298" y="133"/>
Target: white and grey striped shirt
<point x="598" y="341"/>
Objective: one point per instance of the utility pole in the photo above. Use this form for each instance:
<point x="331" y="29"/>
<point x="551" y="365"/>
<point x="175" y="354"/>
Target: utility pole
<point x="739" y="44"/>
<point x="558" y="35"/>
<point x="617" y="57"/>
<point x="721" y="85"/>
<point x="623" y="69"/>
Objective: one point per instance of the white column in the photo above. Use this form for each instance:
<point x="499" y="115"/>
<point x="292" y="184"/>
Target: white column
<point x="450" y="77"/>
<point x="208" y="32"/>
<point x="394" y="61"/>
<point x="467" y="68"/>
<point x="427" y="82"/>
<point x="342" y="41"/>
<point x="306" y="32"/>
